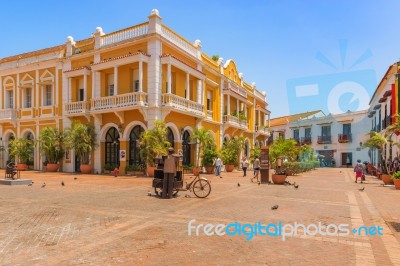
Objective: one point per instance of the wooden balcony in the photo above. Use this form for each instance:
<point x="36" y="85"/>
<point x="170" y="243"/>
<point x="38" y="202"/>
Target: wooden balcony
<point x="344" y="138"/>
<point x="262" y="130"/>
<point x="181" y="104"/>
<point x="324" y="140"/>
<point x="305" y="140"/>
<point x="119" y="102"/>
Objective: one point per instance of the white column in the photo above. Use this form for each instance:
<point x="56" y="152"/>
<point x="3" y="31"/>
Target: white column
<point x="1" y="95"/>
<point x="56" y="89"/>
<point x="228" y="112"/>
<point x="140" y="75"/>
<point x="16" y="97"/>
<point x="115" y="80"/>
<point x="97" y="152"/>
<point x="268" y="119"/>
<point x="169" y="78"/>
<point x="69" y="90"/>
<point x="37" y="88"/>
<point x="187" y="86"/>
<point x="93" y="84"/>
<point x="85" y="85"/>
<point x="237" y="107"/>
<point x="200" y="92"/>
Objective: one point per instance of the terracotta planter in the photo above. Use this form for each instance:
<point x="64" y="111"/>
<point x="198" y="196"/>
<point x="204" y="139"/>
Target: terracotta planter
<point x="150" y="170"/>
<point x="210" y="169"/>
<point x="229" y="167"/>
<point x="386" y="179"/>
<point x="196" y="171"/>
<point x="21" y="166"/>
<point x="278" y="179"/>
<point x="86" y="168"/>
<point x="52" y="167"/>
<point x="396" y="183"/>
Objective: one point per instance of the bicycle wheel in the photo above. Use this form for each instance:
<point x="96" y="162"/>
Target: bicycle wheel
<point x="201" y="188"/>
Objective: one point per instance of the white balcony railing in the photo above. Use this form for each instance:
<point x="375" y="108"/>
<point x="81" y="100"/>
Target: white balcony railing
<point x="125" y="34"/>
<point x="230" y="85"/>
<point x="7" y="114"/>
<point x="209" y="114"/>
<point x="76" y="108"/>
<point x="261" y="130"/>
<point x="259" y="94"/>
<point x="119" y="101"/>
<point x="178" y="41"/>
<point x="182" y="104"/>
<point x="235" y="121"/>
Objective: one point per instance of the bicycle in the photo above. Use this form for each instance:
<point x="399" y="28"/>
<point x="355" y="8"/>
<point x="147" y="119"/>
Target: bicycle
<point x="201" y="186"/>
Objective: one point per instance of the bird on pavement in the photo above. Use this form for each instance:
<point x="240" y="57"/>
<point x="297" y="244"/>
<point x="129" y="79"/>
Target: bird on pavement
<point x="62" y="183"/>
<point x="149" y="193"/>
<point x="361" y="189"/>
<point x="187" y="196"/>
<point x="296" y="186"/>
<point x="238" y="185"/>
<point x="288" y="183"/>
<point x="274" y="207"/>
<point x="259" y="183"/>
<point x="29" y="184"/>
<point x="75" y="178"/>
<point x="44" y="185"/>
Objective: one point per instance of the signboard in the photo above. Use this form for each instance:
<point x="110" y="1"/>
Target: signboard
<point x="122" y="155"/>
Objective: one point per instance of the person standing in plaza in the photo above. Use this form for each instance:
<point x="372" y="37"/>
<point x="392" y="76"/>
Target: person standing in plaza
<point x="245" y="164"/>
<point x="218" y="165"/>
<point x="256" y="167"/>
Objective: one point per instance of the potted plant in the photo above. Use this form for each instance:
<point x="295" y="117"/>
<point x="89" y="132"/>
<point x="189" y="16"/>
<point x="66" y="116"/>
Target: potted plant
<point x="280" y="151"/>
<point x="108" y="168"/>
<point x="187" y="168"/>
<point x="230" y="153"/>
<point x="154" y="144"/>
<point x="22" y="149"/>
<point x="51" y="145"/>
<point x="81" y="138"/>
<point x="209" y="155"/>
<point x="204" y="140"/>
<point x="396" y="179"/>
<point x="378" y="141"/>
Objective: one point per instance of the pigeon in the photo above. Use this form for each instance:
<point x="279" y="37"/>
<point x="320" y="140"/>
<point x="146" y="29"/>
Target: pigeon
<point x="187" y="196"/>
<point x="238" y="184"/>
<point x="29" y="184"/>
<point x="44" y="185"/>
<point x="33" y="182"/>
<point x="75" y="178"/>
<point x="259" y="183"/>
<point x="274" y="207"/>
<point x="288" y="183"/>
<point x="149" y="193"/>
<point x="296" y="186"/>
<point x="361" y="189"/>
<point x="62" y="183"/>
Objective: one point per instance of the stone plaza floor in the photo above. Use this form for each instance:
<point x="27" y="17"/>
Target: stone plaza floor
<point x="103" y="220"/>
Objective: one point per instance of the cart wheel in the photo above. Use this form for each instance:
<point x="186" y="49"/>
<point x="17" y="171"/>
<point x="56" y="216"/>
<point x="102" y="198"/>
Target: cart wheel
<point x="159" y="187"/>
<point x="201" y="188"/>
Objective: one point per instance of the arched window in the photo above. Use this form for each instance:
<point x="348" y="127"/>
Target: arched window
<point x="170" y="137"/>
<point x="246" y="149"/>
<point x="32" y="155"/>
<point x="186" y="147"/>
<point x="112" y="147"/>
<point x="134" y="151"/>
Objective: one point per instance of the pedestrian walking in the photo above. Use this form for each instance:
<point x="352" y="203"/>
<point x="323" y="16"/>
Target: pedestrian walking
<point x="245" y="164"/>
<point x="359" y="170"/>
<point x="256" y="167"/>
<point x="218" y="165"/>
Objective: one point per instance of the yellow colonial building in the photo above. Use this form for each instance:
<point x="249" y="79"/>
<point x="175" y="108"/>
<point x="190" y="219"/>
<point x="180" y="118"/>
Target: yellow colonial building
<point x="121" y="82"/>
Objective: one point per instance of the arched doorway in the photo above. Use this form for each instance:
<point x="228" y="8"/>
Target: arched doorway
<point x="112" y="147"/>
<point x="186" y="147"/>
<point x="246" y="149"/>
<point x="134" y="151"/>
<point x="170" y="137"/>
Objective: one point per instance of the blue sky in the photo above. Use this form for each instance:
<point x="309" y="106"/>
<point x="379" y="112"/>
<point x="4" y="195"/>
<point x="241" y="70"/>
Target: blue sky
<point x="274" y="43"/>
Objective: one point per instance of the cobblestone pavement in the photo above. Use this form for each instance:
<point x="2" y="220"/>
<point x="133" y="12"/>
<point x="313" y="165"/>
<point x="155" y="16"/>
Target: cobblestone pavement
<point x="102" y="220"/>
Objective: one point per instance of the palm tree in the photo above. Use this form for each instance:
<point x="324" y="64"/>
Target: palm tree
<point x="204" y="140"/>
<point x="51" y="144"/>
<point x="81" y="138"/>
<point x="154" y="143"/>
<point x="377" y="141"/>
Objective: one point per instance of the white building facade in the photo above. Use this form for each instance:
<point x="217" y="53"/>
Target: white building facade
<point x="338" y="138"/>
